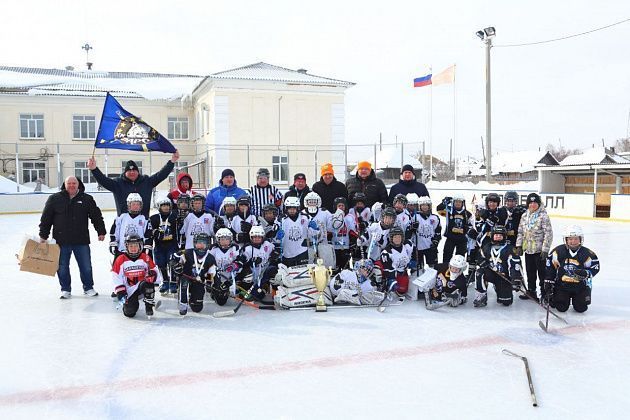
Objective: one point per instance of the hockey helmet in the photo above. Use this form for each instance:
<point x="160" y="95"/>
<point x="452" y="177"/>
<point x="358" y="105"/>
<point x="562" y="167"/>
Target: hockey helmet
<point x="270" y="208"/>
<point x="291" y="203"/>
<point x="359" y="198"/>
<point x="396" y="231"/>
<point x="573" y="231"/>
<point x="400" y="198"/>
<point x="341" y="200"/>
<point x="498" y="230"/>
<point x="493" y="198"/>
<point x="134" y="198"/>
<point x="136" y="242"/>
<point x="388" y="217"/>
<point x="228" y="201"/>
<point x="312" y="202"/>
<point x="257" y="232"/>
<point x="183" y="202"/>
<point x="164" y="202"/>
<point x="424" y="200"/>
<point x="457" y="265"/>
<point x="198" y="198"/>
<point x="244" y="200"/>
<point x="201" y="238"/>
<point x="511" y="196"/>
<point x="364" y="267"/>
<point x="412" y="199"/>
<point x="224" y="237"/>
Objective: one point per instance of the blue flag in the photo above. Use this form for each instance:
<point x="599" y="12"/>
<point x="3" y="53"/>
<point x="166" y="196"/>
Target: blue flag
<point x="120" y="129"/>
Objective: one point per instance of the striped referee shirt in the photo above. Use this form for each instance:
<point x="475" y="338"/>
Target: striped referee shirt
<point x="264" y="195"/>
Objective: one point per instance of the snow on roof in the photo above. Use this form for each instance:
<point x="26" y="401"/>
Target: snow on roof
<point x="268" y="72"/>
<point x="152" y="86"/>
<point x="389" y="157"/>
<point x="593" y="156"/>
<point x="502" y="162"/>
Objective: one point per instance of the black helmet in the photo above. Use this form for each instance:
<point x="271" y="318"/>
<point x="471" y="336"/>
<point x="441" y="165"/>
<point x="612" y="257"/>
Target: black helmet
<point x="400" y="198"/>
<point x="359" y="197"/>
<point x="341" y="200"/>
<point x="493" y="197"/>
<point x="204" y="238"/>
<point x="270" y="207"/>
<point x="182" y="200"/>
<point x="498" y="229"/>
<point x="390" y="212"/>
<point x="511" y="195"/>
<point x="133" y="239"/>
<point x="395" y="231"/>
<point x="244" y="200"/>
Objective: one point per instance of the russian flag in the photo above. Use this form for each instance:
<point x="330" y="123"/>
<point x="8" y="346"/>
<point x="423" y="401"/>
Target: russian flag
<point x="422" y="81"/>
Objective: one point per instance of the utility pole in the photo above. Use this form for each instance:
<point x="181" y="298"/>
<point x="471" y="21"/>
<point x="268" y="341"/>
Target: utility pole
<point x="486" y="35"/>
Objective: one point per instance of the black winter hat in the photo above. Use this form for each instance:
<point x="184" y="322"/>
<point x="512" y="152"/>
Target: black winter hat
<point x="534" y="198"/>
<point x="407" y="168"/>
<point x="131" y="166"/>
<point x="227" y="172"/>
<point x="299" y="175"/>
<point x="263" y="172"/>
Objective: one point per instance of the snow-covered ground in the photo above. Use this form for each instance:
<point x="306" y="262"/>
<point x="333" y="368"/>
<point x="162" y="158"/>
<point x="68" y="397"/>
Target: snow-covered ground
<point x="83" y="359"/>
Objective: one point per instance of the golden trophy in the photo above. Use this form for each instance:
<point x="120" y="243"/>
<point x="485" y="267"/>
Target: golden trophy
<point x="320" y="276"/>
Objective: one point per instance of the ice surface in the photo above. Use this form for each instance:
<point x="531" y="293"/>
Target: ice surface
<point x="81" y="358"/>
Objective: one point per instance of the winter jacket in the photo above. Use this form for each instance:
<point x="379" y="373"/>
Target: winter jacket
<point x="174" y="194"/>
<point x="534" y="231"/>
<point x="328" y="193"/>
<point x="406" y="187"/>
<point x="217" y="194"/>
<point x="373" y="188"/>
<point x="68" y="217"/>
<point x="293" y="192"/>
<point x="121" y="187"/>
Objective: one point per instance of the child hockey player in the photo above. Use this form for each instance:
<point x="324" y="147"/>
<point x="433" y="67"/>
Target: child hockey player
<point x="226" y="255"/>
<point x="361" y="215"/>
<point x="226" y="215"/>
<point x="244" y="220"/>
<point x="570" y="268"/>
<point x="270" y="223"/>
<point x="197" y="270"/>
<point x="293" y="233"/>
<point x="375" y="236"/>
<point x="182" y="209"/>
<point x="197" y="221"/>
<point x="395" y="259"/>
<point x="497" y="264"/>
<point x="135" y="275"/>
<point x="491" y="216"/>
<point x="402" y="215"/>
<point x="164" y="227"/>
<point x="473" y="243"/>
<point x="458" y="221"/>
<point x="260" y="259"/>
<point x="428" y="233"/>
<point x="343" y="233"/>
<point x="359" y="286"/>
<point x="447" y="286"/>
<point x="514" y="212"/>
<point x="127" y="224"/>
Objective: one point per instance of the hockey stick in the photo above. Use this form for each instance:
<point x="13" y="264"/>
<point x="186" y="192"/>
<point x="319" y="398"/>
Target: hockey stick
<point x="529" y="375"/>
<point x="342" y="306"/>
<point x="545" y="326"/>
<point x="255" y="283"/>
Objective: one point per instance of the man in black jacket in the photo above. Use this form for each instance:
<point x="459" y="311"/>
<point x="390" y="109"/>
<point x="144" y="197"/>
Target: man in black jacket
<point x="329" y="188"/>
<point x="366" y="182"/>
<point x="407" y="184"/>
<point x="299" y="189"/>
<point x="132" y="182"/>
<point x="67" y="212"/>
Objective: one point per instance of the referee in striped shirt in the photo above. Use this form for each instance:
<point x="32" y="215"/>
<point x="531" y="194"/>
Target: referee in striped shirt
<point x="263" y="193"/>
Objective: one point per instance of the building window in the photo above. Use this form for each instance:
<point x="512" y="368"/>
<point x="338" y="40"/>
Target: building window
<point x="83" y="127"/>
<point x="280" y="168"/>
<point x="138" y="162"/>
<point x="83" y="173"/>
<point x="32" y="171"/>
<point x="178" y="128"/>
<point x="32" y="126"/>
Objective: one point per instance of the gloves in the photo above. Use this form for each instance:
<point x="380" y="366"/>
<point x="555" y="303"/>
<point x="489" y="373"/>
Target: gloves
<point x="178" y="268"/>
<point x="148" y="249"/>
<point x="208" y="285"/>
<point x="313" y="225"/>
<point x="472" y="234"/>
<point x="121" y="293"/>
<point x="113" y="248"/>
<point x="233" y="267"/>
<point x="274" y="257"/>
<point x="582" y="273"/>
<point x="447" y="200"/>
<point x="544" y="255"/>
<point x="151" y="276"/>
<point x="548" y="287"/>
<point x="246" y="227"/>
<point x="413" y="264"/>
<point x="280" y="235"/>
<point x="337" y="283"/>
<point x="392" y="285"/>
<point x="362" y="225"/>
<point x="257" y="261"/>
<point x="518" y="251"/>
<point x="435" y="243"/>
<point x="413" y="226"/>
<point x="516" y="284"/>
<point x="218" y="223"/>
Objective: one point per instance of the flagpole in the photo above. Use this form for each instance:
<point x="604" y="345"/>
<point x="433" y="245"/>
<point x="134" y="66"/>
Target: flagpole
<point x="431" y="127"/>
<point x="455" y="120"/>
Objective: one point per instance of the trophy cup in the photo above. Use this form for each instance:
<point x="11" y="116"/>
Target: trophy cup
<point x="320" y="277"/>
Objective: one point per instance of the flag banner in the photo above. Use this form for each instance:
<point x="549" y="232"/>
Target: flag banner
<point x="422" y="81"/>
<point x="120" y="129"/>
<point x="445" y="77"/>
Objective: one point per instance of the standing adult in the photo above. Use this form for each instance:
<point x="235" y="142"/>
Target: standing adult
<point x="67" y="212"/>
<point x="227" y="188"/>
<point x="132" y="182"/>
<point x="407" y="184"/>
<point x="329" y="188"/>
<point x="534" y="239"/>
<point x="299" y="188"/>
<point x="365" y="181"/>
<point x="264" y="193"/>
<point x="183" y="187"/>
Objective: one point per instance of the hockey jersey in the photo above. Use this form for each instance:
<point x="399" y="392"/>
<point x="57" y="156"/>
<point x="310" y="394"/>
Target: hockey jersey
<point x="512" y="221"/>
<point x="380" y="236"/>
<point x="323" y="220"/>
<point x="129" y="273"/>
<point x="197" y="267"/>
<point x="501" y="259"/>
<point x="402" y="220"/>
<point x="196" y="222"/>
<point x="562" y="263"/>
<point x="342" y="226"/>
<point x="126" y="225"/>
<point x="223" y="258"/>
<point x="429" y="231"/>
<point x="295" y="234"/>
<point x="264" y="251"/>
<point x="164" y="229"/>
<point x="395" y="259"/>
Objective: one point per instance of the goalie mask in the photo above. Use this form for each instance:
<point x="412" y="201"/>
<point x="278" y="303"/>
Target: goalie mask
<point x="573" y="237"/>
<point x="457" y="265"/>
<point x="164" y="206"/>
<point x="257" y="235"/>
<point x="224" y="238"/>
<point x="388" y="218"/>
<point x="228" y="206"/>
<point x="312" y="202"/>
<point x="133" y="246"/>
<point x="364" y="268"/>
<point x="201" y="243"/>
<point x="134" y="204"/>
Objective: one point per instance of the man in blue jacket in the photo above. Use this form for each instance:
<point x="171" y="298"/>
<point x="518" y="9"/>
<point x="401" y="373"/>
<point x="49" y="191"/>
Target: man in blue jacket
<point x="407" y="184"/>
<point x="132" y="182"/>
<point x="227" y="188"/>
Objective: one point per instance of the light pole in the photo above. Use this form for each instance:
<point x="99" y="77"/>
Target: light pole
<point x="486" y="36"/>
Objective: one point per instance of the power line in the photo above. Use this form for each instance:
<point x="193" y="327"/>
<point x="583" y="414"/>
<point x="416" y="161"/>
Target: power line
<point x="564" y="37"/>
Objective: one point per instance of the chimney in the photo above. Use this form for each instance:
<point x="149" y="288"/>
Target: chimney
<point x="89" y="65"/>
<point x="303" y="71"/>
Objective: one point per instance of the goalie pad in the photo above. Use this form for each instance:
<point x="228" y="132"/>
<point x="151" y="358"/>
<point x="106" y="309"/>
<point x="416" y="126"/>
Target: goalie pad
<point x="293" y="276"/>
<point x="294" y="297"/>
<point x="426" y="281"/>
<point x="326" y="252"/>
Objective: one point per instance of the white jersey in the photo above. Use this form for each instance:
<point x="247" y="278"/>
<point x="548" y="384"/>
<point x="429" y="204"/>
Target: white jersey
<point x="194" y="224"/>
<point x="264" y="251"/>
<point x="340" y="228"/>
<point x="375" y="231"/>
<point x="295" y="233"/>
<point x="395" y="261"/>
<point x="323" y="220"/>
<point x="402" y="220"/>
<point x="348" y="279"/>
<point x="130" y="273"/>
<point x="236" y="222"/>
<point x="129" y="225"/>
<point x="224" y="258"/>
<point x="426" y="230"/>
<point x="365" y="215"/>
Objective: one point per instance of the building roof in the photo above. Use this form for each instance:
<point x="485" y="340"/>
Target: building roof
<point x="268" y="72"/>
<point x="593" y="156"/>
<point x="152" y="86"/>
<point x="507" y="162"/>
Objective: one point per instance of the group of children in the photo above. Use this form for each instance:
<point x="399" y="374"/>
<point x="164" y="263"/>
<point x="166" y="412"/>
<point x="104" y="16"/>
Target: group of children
<point x="188" y="251"/>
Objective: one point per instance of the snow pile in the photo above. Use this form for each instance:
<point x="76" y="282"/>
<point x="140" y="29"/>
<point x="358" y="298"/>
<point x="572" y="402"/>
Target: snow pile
<point x="483" y="186"/>
<point x="8" y="186"/>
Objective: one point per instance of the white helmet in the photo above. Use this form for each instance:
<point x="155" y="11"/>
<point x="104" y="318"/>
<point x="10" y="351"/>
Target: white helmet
<point x="291" y="202"/>
<point x="412" y="199"/>
<point x="312" y="202"/>
<point x="424" y="200"/>
<point x="224" y="233"/>
<point x="458" y="197"/>
<point x="256" y="231"/>
<point x="457" y="262"/>
<point x="228" y="201"/>
<point x="161" y="202"/>
<point x="134" y="198"/>
<point x="573" y="231"/>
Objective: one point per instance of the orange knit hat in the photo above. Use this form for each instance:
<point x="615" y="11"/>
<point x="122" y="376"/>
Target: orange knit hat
<point x="327" y="168"/>
<point x="364" y="165"/>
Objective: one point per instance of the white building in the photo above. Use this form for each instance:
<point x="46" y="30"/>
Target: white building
<point x="255" y="116"/>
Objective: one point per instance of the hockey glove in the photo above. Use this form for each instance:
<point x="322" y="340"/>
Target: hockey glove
<point x="121" y="294"/>
<point x="313" y="225"/>
<point x="233" y="267"/>
<point x="544" y="255"/>
<point x="151" y="276"/>
<point x="218" y="224"/>
<point x="518" y="250"/>
<point x="582" y="273"/>
<point x="178" y="268"/>
<point x="246" y="227"/>
<point x="413" y="264"/>
<point x="392" y="285"/>
<point x="280" y="235"/>
<point x="113" y="248"/>
<point x="548" y="287"/>
<point x="435" y="243"/>
<point x="413" y="226"/>
<point x="257" y="261"/>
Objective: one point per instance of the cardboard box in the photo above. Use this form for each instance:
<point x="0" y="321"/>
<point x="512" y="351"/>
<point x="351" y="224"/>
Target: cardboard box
<point x="38" y="258"/>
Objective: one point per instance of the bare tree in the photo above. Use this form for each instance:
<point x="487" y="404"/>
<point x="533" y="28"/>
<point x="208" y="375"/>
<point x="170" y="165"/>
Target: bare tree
<point x="622" y="145"/>
<point x="560" y="152"/>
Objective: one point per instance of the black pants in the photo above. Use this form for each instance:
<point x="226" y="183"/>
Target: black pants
<point x="297" y="260"/>
<point x="427" y="256"/>
<point x="457" y="245"/>
<point x="191" y="292"/>
<point x="501" y="286"/>
<point x="130" y="308"/>
<point x="342" y="257"/>
<point x="535" y="267"/>
<point x="580" y="298"/>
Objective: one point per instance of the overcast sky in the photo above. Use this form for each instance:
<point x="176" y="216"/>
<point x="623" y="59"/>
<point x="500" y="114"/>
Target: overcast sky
<point x="575" y="92"/>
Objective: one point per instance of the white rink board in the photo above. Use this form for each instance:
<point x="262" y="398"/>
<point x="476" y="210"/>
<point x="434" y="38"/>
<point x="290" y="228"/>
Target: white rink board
<point x="620" y="206"/>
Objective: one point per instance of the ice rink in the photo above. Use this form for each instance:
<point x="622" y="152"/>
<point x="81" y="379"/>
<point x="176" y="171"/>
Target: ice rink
<point x="82" y="358"/>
